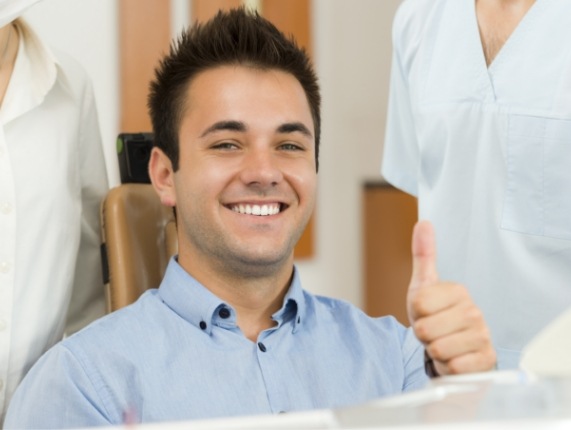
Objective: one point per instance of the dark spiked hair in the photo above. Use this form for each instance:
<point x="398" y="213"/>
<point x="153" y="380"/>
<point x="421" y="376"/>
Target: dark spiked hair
<point x="239" y="37"/>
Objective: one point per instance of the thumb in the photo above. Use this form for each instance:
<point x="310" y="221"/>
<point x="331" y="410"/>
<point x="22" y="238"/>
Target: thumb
<point x="423" y="256"/>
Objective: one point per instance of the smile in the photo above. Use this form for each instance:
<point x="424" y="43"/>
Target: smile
<point x="259" y="210"/>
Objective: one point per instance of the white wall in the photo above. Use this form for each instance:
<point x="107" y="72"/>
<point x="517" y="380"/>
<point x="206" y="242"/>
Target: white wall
<point x="87" y="29"/>
<point x="352" y="55"/>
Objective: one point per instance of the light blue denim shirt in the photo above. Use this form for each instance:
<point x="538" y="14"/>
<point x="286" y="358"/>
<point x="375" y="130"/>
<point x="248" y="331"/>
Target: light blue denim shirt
<point x="177" y="354"/>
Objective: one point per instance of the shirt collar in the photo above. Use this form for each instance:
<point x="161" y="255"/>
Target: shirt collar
<point x="34" y="75"/>
<point x="294" y="306"/>
<point x="193" y="302"/>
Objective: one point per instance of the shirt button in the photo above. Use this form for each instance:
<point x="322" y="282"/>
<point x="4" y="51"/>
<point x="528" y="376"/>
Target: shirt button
<point x="202" y="325"/>
<point x="262" y="347"/>
<point x="4" y="267"/>
<point x="224" y="313"/>
<point x="6" y="208"/>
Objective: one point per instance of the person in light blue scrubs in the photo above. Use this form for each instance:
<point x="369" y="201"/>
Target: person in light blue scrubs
<point x="236" y="119"/>
<point x="479" y="129"/>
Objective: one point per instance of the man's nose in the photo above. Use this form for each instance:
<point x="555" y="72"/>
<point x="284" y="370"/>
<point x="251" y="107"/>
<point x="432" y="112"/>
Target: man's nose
<point x="261" y="167"/>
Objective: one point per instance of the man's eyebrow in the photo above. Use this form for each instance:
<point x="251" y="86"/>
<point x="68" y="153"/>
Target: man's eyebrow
<point x="225" y="125"/>
<point x="292" y="127"/>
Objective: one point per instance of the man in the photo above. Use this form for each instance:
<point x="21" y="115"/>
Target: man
<point x="235" y="110"/>
<point x="478" y="129"/>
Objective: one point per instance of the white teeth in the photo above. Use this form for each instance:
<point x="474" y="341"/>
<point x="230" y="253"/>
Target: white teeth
<point x="259" y="210"/>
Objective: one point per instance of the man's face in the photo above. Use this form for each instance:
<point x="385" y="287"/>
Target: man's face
<point x="246" y="183"/>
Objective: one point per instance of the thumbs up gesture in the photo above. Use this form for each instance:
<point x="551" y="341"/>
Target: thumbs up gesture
<point x="442" y="314"/>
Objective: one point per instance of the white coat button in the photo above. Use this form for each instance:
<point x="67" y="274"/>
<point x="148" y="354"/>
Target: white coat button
<point x="5" y="266"/>
<point x="6" y="208"/>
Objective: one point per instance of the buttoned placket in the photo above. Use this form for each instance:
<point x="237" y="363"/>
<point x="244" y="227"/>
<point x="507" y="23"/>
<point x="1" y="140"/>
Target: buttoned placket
<point x="267" y="360"/>
<point x="7" y="259"/>
<point x="224" y="317"/>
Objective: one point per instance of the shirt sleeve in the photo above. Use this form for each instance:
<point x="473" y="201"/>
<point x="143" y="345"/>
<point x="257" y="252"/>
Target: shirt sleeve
<point x="56" y="393"/>
<point x="88" y="299"/>
<point x="401" y="154"/>
<point x="413" y="353"/>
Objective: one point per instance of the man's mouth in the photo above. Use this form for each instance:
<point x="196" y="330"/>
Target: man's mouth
<point x="259" y="210"/>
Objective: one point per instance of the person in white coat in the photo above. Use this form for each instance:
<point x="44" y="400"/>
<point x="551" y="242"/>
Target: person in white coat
<point x="479" y="129"/>
<point x="52" y="180"/>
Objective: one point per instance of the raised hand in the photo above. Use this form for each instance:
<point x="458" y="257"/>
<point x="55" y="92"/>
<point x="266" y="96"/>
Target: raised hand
<point x="443" y="315"/>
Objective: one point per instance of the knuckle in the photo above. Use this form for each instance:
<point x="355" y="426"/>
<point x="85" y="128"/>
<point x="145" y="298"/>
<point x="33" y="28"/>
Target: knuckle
<point x="455" y="367"/>
<point x="435" y="351"/>
<point x="421" y="330"/>
<point x="481" y="338"/>
<point x="460" y="292"/>
<point x="491" y="357"/>
<point x="485" y="338"/>
<point x="418" y="303"/>
<point x="474" y="315"/>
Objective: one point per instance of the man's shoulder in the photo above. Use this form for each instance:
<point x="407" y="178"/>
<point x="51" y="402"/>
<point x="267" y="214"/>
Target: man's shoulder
<point x="94" y="364"/>
<point x="343" y="310"/>
<point x="126" y="323"/>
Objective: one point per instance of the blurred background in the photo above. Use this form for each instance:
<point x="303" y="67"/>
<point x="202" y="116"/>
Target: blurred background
<point x="118" y="42"/>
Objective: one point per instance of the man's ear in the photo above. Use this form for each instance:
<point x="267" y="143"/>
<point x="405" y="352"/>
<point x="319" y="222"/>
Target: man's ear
<point x="162" y="177"/>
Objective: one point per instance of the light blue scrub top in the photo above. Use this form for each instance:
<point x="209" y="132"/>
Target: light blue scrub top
<point x="488" y="153"/>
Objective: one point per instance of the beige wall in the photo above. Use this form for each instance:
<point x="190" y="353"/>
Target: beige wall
<point x="353" y="49"/>
<point x="352" y="54"/>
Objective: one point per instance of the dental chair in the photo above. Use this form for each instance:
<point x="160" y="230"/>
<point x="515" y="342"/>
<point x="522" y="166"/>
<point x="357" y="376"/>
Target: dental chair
<point x="138" y="238"/>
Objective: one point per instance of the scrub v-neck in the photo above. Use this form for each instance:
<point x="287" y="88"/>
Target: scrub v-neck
<point x="511" y="47"/>
<point x="513" y="38"/>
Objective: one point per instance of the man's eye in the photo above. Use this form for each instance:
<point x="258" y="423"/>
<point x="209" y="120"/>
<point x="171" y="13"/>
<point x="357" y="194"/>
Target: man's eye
<point x="291" y="147"/>
<point x="225" y="146"/>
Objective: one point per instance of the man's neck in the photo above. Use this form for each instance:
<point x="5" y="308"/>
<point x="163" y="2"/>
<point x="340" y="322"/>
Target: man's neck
<point x="497" y="20"/>
<point x="254" y="309"/>
<point x="254" y="298"/>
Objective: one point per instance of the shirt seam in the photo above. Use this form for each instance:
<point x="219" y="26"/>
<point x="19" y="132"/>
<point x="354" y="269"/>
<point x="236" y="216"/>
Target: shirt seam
<point x="87" y="374"/>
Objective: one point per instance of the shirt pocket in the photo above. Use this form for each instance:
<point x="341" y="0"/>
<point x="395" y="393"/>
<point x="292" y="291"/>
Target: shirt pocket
<point x="538" y="195"/>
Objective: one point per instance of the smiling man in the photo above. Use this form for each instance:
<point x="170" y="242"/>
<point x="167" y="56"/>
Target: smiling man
<point x="230" y="331"/>
<point x="245" y="186"/>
